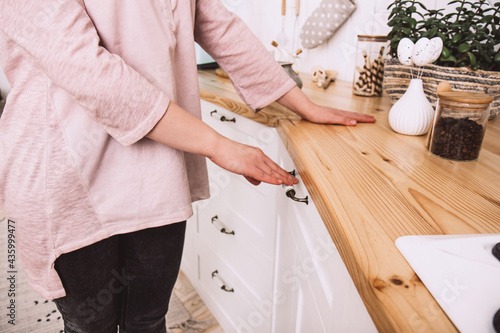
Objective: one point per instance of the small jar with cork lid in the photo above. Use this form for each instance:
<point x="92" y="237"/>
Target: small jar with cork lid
<point x="459" y="125"/>
<point x="371" y="52"/>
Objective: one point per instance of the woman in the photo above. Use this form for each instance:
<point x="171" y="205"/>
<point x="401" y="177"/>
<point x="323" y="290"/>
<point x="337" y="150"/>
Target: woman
<point x="103" y="149"/>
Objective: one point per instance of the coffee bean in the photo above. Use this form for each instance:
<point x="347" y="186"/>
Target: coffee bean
<point x="457" y="139"/>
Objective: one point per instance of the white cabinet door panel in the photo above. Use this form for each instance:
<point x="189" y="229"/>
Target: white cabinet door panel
<point x="244" y="253"/>
<point x="237" y="307"/>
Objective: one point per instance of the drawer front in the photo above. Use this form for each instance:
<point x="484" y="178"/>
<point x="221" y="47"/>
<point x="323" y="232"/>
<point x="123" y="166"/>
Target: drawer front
<point x="242" y="129"/>
<point x="226" y="229"/>
<point x="238" y="192"/>
<point x="227" y="294"/>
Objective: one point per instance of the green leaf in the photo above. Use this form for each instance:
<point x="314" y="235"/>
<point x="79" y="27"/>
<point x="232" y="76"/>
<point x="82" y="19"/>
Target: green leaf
<point x="448" y="59"/>
<point x="407" y="31"/>
<point x="456" y="38"/>
<point x="396" y="39"/>
<point x="463" y="48"/>
<point x="486" y="19"/>
<point x="445" y="53"/>
<point x="472" y="58"/>
<point x="413" y="23"/>
<point x="422" y="5"/>
<point x="443" y="37"/>
<point x="432" y="33"/>
<point x="497" y="56"/>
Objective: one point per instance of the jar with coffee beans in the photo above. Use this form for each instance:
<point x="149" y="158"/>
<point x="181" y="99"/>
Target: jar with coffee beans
<point x="459" y="125"/>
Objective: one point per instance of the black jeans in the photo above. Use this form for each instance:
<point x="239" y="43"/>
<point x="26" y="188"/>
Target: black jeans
<point x="125" y="280"/>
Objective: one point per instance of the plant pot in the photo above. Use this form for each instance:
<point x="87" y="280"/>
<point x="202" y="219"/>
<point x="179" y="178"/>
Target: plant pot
<point x="397" y="77"/>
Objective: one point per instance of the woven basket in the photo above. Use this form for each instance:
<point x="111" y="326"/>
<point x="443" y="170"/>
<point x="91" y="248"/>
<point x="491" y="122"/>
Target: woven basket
<point x="397" y="78"/>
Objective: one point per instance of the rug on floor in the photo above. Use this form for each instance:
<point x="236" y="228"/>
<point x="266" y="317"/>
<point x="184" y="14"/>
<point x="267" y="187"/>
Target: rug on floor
<point x="35" y="314"/>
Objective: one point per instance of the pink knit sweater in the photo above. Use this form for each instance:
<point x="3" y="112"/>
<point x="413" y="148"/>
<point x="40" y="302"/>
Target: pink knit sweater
<point x="89" y="80"/>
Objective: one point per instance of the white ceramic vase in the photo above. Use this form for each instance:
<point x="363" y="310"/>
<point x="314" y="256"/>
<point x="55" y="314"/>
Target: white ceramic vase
<point x="412" y="114"/>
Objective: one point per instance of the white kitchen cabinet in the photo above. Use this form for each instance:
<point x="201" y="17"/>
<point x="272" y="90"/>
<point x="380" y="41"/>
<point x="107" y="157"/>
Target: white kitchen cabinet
<point x="261" y="261"/>
<point x="317" y="291"/>
<point x="230" y="242"/>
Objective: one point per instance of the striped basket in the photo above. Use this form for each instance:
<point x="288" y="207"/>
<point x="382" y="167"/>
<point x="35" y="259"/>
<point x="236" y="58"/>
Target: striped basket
<point x="397" y="78"/>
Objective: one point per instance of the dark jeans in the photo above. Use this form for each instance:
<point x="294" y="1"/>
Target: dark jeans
<point x="125" y="280"/>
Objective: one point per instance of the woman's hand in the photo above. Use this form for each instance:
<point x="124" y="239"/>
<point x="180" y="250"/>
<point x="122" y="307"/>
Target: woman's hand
<point x="250" y="162"/>
<point x="326" y="115"/>
<point x="299" y="103"/>
<point x="181" y="130"/>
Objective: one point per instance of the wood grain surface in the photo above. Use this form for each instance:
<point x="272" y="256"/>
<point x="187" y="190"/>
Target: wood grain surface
<point x="372" y="185"/>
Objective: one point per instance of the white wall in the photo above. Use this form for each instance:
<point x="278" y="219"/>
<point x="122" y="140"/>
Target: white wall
<point x="370" y="18"/>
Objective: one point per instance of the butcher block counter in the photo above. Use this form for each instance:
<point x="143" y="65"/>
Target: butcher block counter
<point x="372" y="185"/>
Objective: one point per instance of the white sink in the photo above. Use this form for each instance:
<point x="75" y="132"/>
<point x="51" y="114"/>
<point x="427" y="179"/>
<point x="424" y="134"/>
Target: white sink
<point x="461" y="273"/>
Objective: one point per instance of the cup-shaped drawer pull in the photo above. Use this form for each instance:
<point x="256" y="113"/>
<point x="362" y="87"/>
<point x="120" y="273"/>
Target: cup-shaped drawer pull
<point x="290" y="192"/>
<point x="220" y="226"/>
<point x="220" y="282"/>
<point x="221" y="117"/>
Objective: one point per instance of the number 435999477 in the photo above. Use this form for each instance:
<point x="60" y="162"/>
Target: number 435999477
<point x="11" y="244"/>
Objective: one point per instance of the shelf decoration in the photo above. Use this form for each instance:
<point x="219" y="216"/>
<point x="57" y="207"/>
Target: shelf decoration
<point x="412" y="114"/>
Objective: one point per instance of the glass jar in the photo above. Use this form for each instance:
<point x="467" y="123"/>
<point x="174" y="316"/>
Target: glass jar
<point x="459" y="125"/>
<point x="369" y="71"/>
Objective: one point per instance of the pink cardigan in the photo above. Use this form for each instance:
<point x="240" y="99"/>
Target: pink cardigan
<point x="89" y="80"/>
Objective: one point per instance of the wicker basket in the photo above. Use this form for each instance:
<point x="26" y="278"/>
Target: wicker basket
<point x="397" y="78"/>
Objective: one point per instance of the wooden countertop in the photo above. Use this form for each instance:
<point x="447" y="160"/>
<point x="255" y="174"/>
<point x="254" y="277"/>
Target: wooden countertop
<point x="372" y="185"/>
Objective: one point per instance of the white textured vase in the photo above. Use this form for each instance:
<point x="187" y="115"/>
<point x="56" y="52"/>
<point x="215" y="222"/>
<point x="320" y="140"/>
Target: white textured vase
<point x="412" y="114"/>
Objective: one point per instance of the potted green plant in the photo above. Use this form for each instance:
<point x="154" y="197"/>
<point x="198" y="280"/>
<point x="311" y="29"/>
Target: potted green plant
<point x="470" y="60"/>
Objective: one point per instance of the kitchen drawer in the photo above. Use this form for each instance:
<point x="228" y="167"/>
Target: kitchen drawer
<point x="254" y="275"/>
<point x="225" y="184"/>
<point x="244" y="235"/>
<point x="255" y="203"/>
<point x="237" y="308"/>
<point x="242" y="129"/>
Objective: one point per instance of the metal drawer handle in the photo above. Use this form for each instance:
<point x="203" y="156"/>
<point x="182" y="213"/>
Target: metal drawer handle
<point x="222" y="284"/>
<point x="217" y="115"/>
<point x="220" y="226"/>
<point x="290" y="192"/>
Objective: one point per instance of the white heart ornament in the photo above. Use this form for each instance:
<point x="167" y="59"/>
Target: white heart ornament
<point x="405" y="51"/>
<point x="436" y="47"/>
<point x="421" y="52"/>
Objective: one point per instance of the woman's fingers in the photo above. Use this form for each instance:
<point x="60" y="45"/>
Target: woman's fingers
<point x="250" y="162"/>
<point x="262" y="168"/>
<point x="252" y="181"/>
<point x="326" y="115"/>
